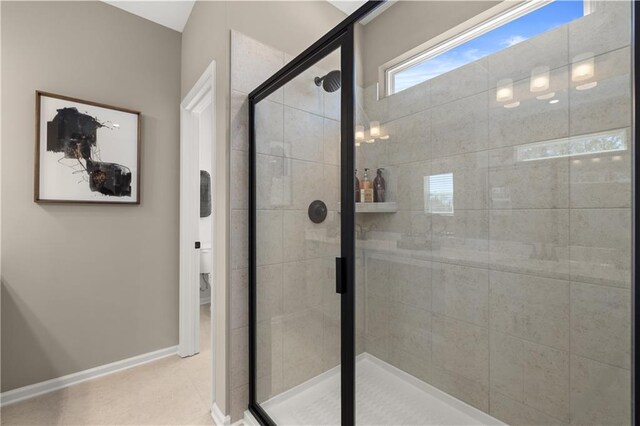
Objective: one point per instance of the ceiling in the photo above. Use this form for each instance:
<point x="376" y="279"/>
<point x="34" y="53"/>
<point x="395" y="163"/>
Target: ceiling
<point x="173" y="14"/>
<point x="350" y="6"/>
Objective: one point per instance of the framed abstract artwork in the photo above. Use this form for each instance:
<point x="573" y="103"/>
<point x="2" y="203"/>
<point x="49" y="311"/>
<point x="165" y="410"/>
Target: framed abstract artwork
<point x="86" y="152"/>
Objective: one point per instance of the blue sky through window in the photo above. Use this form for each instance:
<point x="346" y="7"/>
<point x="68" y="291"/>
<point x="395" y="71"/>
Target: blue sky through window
<point x="553" y="15"/>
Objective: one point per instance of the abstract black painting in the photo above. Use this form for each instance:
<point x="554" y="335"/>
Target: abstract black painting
<point x="86" y="152"/>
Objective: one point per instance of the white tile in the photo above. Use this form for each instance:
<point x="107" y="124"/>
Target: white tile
<point x="519" y="184"/>
<point x="601" y="323"/>
<point x="529" y="307"/>
<point x="409" y="188"/>
<point x="461" y="126"/>
<point x="245" y="54"/>
<point x="269" y="130"/>
<point x="534" y="242"/>
<point x="460" y="348"/>
<point x="304" y="239"/>
<point x="601" y="246"/>
<point x="409" y="101"/>
<point x="378" y="279"/>
<point x="514" y="412"/>
<point x="470" y="178"/>
<point x="269" y="292"/>
<point x="546" y="380"/>
<point x="269" y="358"/>
<point x="461" y="292"/>
<point x="332" y="104"/>
<point x="239" y="118"/>
<point x="303" y="334"/>
<point x="270" y="181"/>
<point x="303" y="285"/>
<point x="468" y="80"/>
<point x="376" y="109"/>
<point x="303" y="135"/>
<point x="473" y="393"/>
<point x="302" y="93"/>
<point x="461" y="238"/>
<point x="331" y="191"/>
<point x="410" y="284"/>
<point x="608" y="105"/>
<point x="410" y="329"/>
<point x="516" y="62"/>
<point x="239" y="239"/>
<point x="332" y="138"/>
<point x="600" y="393"/>
<point x="239" y="402"/>
<point x="506" y="372"/>
<point x="304" y="183"/>
<point x="377" y="325"/>
<point x="409" y="138"/>
<point x="601" y="180"/>
<point x="239" y="351"/>
<point x="268" y="237"/>
<point x="239" y="179"/>
<point x="239" y="310"/>
<point x="606" y="29"/>
<point x="533" y="120"/>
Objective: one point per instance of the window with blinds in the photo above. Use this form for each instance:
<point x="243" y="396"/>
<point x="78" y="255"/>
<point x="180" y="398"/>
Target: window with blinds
<point x="438" y="193"/>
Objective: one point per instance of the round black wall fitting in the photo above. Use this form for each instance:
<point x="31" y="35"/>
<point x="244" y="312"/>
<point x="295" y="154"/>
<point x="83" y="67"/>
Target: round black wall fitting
<point x="317" y="211"/>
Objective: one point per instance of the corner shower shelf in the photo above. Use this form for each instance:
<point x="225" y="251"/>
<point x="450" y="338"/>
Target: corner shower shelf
<point x="390" y="207"/>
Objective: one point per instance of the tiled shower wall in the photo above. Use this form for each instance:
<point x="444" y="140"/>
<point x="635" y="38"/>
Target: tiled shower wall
<point x="298" y="151"/>
<point x="518" y="302"/>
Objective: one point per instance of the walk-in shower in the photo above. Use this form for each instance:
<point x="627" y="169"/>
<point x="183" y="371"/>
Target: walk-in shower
<point x="493" y="284"/>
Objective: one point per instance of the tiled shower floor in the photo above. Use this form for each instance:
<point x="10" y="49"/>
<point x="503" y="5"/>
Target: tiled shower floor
<point x="385" y="395"/>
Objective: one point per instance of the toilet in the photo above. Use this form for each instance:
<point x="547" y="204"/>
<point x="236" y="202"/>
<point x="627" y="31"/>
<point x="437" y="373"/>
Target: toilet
<point x="206" y="260"/>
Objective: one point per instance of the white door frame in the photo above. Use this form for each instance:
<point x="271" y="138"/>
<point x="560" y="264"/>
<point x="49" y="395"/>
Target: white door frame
<point x="200" y="97"/>
<point x="197" y="100"/>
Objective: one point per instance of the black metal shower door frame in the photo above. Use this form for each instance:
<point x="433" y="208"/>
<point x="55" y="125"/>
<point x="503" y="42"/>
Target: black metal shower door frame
<point x="345" y="276"/>
<point x="341" y="37"/>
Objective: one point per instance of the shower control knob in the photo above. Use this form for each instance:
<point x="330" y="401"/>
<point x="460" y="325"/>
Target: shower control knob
<point x="317" y="211"/>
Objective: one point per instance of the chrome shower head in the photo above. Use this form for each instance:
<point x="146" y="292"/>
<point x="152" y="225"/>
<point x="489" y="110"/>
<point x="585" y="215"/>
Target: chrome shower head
<point x="330" y="82"/>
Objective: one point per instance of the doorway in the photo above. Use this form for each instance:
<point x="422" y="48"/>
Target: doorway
<point x="197" y="221"/>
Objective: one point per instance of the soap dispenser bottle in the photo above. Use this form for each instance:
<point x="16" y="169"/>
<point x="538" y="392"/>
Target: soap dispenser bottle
<point x="366" y="193"/>
<point x="379" y="187"/>
<point x="366" y="183"/>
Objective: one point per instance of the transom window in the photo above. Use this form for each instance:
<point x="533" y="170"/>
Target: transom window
<point x="472" y="41"/>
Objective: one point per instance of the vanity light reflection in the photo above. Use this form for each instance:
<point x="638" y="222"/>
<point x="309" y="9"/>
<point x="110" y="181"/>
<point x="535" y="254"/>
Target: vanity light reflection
<point x="583" y="70"/>
<point x="504" y="93"/>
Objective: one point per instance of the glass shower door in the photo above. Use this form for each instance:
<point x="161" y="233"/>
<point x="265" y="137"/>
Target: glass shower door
<point x="297" y="236"/>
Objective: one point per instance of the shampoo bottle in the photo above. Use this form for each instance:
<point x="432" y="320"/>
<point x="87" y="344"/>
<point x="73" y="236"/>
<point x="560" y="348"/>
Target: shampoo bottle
<point x="379" y="187"/>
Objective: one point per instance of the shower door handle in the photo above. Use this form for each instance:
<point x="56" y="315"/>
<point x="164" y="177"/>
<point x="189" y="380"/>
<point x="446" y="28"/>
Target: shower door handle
<point x="341" y="275"/>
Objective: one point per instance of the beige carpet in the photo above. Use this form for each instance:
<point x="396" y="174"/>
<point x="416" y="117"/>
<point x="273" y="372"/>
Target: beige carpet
<point x="172" y="391"/>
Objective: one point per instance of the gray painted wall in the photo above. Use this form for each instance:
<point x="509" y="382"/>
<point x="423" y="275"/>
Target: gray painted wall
<point x="291" y="27"/>
<point x="84" y="286"/>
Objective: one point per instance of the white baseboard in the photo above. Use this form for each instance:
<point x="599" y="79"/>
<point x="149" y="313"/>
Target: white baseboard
<point x="218" y="418"/>
<point x="249" y="419"/>
<point x="36" y="389"/>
